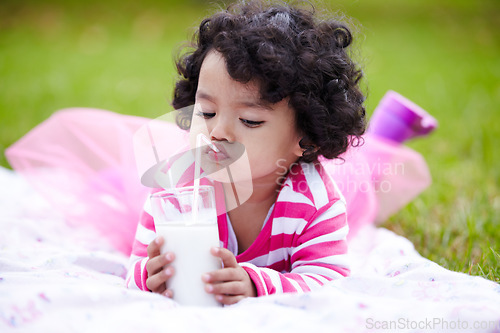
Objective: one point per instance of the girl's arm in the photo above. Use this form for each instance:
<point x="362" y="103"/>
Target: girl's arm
<point x="137" y="272"/>
<point x="318" y="257"/>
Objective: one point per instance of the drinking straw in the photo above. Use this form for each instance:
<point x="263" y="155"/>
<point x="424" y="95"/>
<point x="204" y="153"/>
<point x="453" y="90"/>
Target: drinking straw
<point x="170" y="179"/>
<point x="158" y="173"/>
<point x="215" y="149"/>
<point x="233" y="187"/>
<point x="209" y="143"/>
<point x="197" y="171"/>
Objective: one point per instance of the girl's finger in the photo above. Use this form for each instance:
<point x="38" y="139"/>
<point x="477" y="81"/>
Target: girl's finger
<point x="168" y="293"/>
<point x="227" y="257"/>
<point x="155" y="246"/>
<point x="154" y="265"/>
<point x="228" y="299"/>
<point x="156" y="282"/>
<point x="223" y="275"/>
<point x="226" y="288"/>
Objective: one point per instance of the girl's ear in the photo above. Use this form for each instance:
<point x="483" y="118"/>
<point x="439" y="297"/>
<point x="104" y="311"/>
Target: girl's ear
<point x="306" y="147"/>
<point x="297" y="149"/>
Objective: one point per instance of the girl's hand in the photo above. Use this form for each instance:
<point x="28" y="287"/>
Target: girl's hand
<point x="157" y="276"/>
<point x="230" y="284"/>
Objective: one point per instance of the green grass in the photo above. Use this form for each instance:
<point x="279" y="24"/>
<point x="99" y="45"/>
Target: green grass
<point x="442" y="54"/>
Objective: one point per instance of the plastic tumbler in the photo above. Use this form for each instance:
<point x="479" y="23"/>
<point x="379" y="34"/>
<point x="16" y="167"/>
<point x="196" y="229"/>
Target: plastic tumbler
<point x="189" y="232"/>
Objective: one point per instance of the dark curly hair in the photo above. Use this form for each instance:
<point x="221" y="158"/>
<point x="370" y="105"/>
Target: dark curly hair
<point x="291" y="54"/>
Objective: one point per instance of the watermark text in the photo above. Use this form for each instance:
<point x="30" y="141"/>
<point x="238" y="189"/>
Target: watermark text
<point x="430" y="324"/>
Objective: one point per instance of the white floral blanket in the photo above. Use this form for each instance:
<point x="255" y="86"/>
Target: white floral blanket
<point x="54" y="278"/>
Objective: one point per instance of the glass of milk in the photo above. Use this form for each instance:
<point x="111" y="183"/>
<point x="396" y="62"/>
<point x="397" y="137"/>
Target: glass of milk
<point x="189" y="232"/>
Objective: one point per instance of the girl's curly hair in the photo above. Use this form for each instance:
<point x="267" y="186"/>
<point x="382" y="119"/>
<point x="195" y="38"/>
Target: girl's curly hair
<point x="291" y="54"/>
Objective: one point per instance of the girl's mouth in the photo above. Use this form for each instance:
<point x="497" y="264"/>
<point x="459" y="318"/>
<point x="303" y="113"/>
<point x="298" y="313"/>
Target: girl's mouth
<point x="216" y="157"/>
<point x="216" y="153"/>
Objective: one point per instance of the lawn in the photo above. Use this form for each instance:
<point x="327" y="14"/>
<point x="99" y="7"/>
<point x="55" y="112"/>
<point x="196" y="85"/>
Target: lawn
<point x="442" y="54"/>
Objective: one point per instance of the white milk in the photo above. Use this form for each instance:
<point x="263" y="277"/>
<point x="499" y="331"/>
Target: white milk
<point x="191" y="245"/>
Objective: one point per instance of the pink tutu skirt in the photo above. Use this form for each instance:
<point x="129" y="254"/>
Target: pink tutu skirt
<point x="88" y="163"/>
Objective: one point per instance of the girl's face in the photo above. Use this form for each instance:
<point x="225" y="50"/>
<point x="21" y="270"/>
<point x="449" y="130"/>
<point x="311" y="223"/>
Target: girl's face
<point x="243" y="127"/>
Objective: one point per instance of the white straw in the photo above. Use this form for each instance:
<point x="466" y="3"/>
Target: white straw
<point x="169" y="174"/>
<point x="197" y="172"/>
<point x="209" y="143"/>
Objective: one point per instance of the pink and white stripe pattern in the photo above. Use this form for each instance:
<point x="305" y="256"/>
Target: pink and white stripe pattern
<point x="301" y="246"/>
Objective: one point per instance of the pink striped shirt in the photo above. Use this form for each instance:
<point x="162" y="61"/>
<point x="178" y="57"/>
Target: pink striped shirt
<point x="301" y="246"/>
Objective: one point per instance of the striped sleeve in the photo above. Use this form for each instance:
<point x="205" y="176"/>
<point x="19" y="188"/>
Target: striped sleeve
<point x="319" y="255"/>
<point x="145" y="234"/>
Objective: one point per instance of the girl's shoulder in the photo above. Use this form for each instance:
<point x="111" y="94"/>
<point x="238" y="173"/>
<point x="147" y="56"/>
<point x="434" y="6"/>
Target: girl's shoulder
<point x="310" y="184"/>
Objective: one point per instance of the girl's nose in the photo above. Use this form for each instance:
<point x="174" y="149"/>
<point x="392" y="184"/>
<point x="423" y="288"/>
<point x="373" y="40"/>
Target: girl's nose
<point x="222" y="130"/>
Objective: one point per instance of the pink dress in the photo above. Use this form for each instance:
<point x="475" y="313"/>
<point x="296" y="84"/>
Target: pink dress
<point x="301" y="246"/>
<point x="89" y="164"/>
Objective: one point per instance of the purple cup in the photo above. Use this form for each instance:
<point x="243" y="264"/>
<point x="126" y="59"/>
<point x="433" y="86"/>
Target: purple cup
<point x="398" y="119"/>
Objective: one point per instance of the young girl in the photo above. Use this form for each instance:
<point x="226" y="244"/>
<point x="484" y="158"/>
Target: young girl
<point x="280" y="82"/>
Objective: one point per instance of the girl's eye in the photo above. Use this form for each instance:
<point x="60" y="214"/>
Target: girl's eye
<point x="205" y="115"/>
<point x="251" y="123"/>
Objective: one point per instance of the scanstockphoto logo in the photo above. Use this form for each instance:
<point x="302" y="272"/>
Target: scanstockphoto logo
<point x="356" y="177"/>
<point x="432" y="324"/>
<point x="168" y="157"/>
<point x="377" y="176"/>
